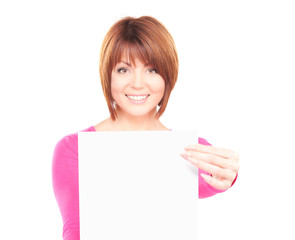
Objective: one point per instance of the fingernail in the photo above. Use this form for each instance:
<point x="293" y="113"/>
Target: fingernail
<point x="190" y="147"/>
<point x="206" y="177"/>
<point x="185" y="155"/>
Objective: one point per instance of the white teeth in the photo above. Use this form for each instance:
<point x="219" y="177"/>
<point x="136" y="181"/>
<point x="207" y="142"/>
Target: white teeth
<point x="137" y="98"/>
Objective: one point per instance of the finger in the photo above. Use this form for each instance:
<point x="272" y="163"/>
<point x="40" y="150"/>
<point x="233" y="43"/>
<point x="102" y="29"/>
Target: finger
<point x="213" y="169"/>
<point x="212" y="159"/>
<point x="221" y="185"/>
<point x="221" y="152"/>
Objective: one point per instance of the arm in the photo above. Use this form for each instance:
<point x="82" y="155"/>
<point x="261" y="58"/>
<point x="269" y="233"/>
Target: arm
<point x="65" y="184"/>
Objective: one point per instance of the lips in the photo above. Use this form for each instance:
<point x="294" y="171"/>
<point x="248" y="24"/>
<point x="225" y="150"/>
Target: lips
<point x="137" y="98"/>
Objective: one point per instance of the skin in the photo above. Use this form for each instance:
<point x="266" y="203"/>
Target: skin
<point x="132" y="80"/>
<point x="222" y="164"/>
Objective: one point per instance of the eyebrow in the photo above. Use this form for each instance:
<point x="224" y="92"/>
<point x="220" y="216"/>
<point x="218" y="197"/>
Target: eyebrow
<point x="129" y="65"/>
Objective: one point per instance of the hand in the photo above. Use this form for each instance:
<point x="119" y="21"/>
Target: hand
<point x="222" y="164"/>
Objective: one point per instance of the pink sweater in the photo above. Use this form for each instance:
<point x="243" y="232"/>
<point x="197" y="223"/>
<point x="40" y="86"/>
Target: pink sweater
<point x="66" y="188"/>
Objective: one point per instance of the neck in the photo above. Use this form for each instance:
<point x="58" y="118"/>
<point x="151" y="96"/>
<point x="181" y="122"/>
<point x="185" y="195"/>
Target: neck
<point x="125" y="122"/>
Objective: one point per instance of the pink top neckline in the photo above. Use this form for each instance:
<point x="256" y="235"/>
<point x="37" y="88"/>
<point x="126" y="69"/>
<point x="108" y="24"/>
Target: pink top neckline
<point x="94" y="130"/>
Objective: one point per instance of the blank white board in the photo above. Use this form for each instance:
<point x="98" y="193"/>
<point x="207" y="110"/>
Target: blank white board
<point x="135" y="185"/>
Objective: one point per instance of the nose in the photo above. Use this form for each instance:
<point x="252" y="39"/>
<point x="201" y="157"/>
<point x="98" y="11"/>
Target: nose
<point x="137" y="80"/>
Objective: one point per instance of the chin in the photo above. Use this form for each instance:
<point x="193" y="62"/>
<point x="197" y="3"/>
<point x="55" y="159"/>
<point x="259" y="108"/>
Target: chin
<point x="140" y="113"/>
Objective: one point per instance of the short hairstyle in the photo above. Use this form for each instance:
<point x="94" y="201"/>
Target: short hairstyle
<point x="144" y="38"/>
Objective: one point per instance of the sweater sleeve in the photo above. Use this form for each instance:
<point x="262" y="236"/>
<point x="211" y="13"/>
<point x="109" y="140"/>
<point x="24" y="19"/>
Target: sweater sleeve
<point x="65" y="184"/>
<point x="205" y="190"/>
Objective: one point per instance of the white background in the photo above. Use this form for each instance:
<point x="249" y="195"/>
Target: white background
<point x="235" y="86"/>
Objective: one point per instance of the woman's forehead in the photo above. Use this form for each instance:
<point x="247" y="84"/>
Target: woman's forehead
<point x="129" y="62"/>
<point x="132" y="55"/>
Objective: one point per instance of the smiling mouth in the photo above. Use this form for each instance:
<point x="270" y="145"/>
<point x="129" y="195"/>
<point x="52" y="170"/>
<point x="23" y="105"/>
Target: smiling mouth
<point x="137" y="98"/>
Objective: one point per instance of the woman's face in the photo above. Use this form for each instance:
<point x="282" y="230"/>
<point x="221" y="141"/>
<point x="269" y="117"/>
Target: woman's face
<point x="138" y="89"/>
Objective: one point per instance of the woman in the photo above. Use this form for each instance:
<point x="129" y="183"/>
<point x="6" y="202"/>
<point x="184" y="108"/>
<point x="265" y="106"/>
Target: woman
<point x="138" y="70"/>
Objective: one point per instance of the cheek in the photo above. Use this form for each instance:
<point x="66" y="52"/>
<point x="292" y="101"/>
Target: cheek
<point x="158" y="86"/>
<point x="116" y="85"/>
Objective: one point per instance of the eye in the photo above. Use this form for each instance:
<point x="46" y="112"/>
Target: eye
<point x="152" y="70"/>
<point x="122" y="70"/>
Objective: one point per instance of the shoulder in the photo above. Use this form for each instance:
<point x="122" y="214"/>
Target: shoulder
<point x="67" y="146"/>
